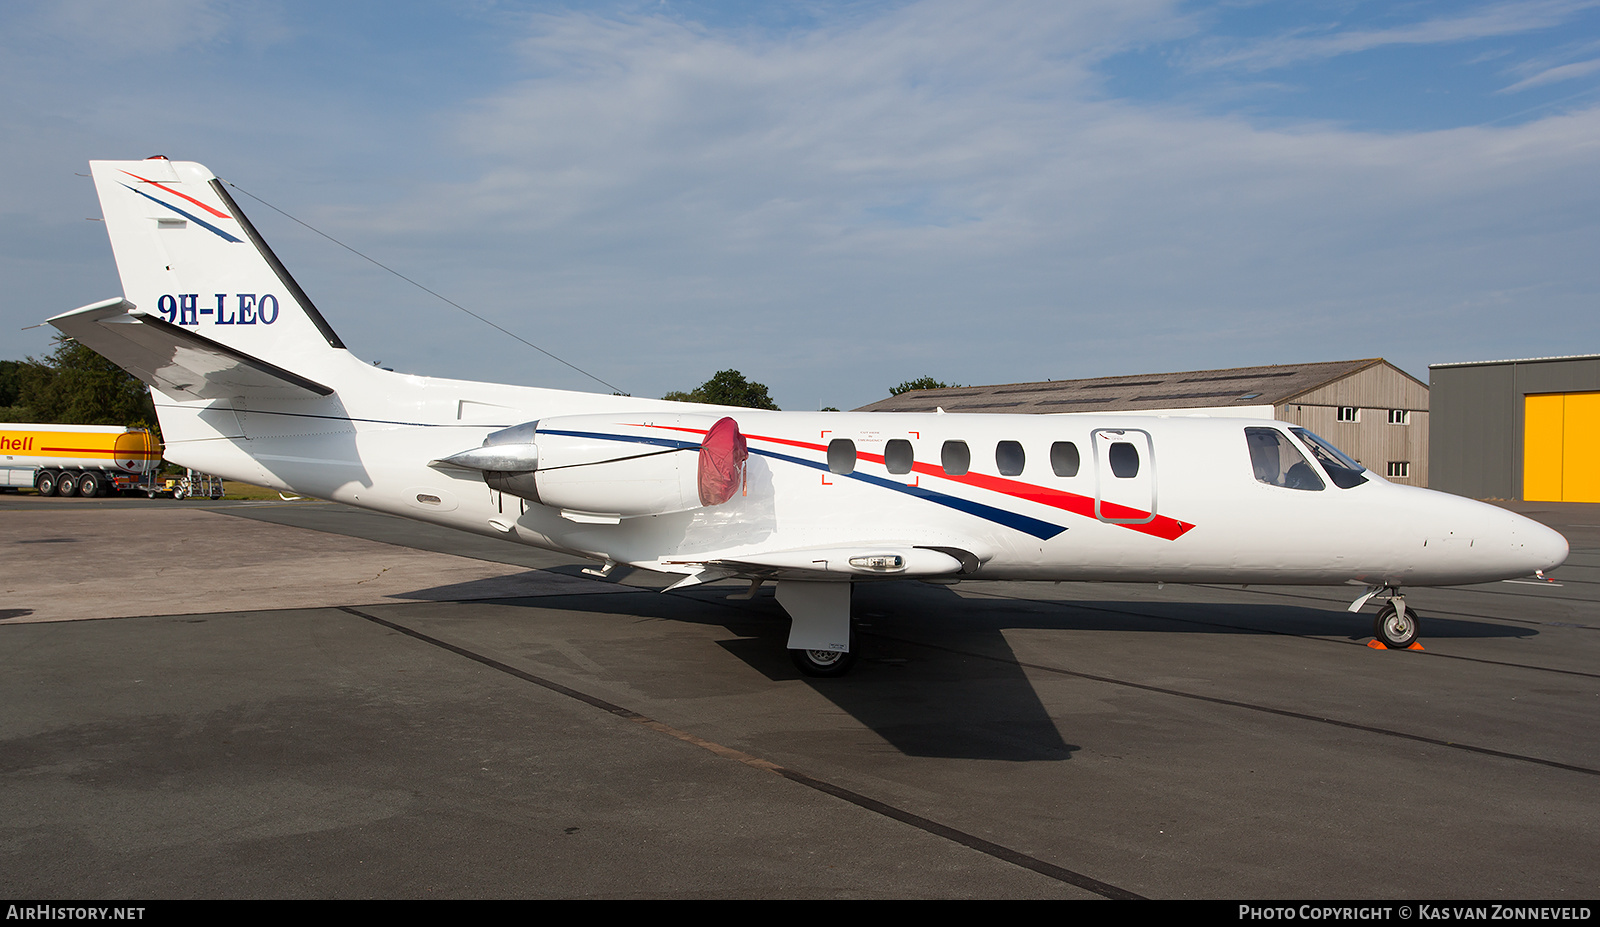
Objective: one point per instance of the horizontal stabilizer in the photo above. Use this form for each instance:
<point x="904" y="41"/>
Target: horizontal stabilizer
<point x="176" y="360"/>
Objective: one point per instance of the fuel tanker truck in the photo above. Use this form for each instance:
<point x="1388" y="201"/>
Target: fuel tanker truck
<point x="76" y="460"/>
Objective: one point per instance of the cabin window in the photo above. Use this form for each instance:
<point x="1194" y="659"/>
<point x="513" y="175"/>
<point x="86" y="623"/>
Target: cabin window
<point x="1124" y="460"/>
<point x="1064" y="458"/>
<point x="1344" y="472"/>
<point x="955" y="458"/>
<point x="1009" y="458"/>
<point x="1400" y="468"/>
<point x="1399" y="416"/>
<point x="898" y="456"/>
<point x="1349" y="414"/>
<point x="841" y="456"/>
<point x="1277" y="462"/>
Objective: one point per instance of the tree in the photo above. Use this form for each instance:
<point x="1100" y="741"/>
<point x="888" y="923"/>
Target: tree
<point x="76" y="386"/>
<point x="920" y="383"/>
<point x="10" y="387"/>
<point x="727" y="388"/>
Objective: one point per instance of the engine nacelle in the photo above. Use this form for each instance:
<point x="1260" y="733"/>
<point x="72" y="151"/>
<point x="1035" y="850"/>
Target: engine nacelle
<point x="608" y="467"/>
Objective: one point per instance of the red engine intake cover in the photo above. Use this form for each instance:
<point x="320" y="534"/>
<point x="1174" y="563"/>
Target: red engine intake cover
<point x="722" y="457"/>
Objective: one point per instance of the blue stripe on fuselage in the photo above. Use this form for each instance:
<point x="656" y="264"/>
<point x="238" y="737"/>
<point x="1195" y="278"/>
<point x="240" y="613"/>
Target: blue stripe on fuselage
<point x="1042" y="530"/>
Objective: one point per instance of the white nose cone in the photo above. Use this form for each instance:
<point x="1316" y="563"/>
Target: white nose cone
<point x="1464" y="541"/>
<point x="1541" y="547"/>
<point x="1525" y="546"/>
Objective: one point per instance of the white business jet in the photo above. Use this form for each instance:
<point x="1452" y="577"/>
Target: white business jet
<point x="251" y="383"/>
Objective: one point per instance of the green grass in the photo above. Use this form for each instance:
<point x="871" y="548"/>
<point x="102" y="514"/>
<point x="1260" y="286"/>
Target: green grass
<point x="245" y="491"/>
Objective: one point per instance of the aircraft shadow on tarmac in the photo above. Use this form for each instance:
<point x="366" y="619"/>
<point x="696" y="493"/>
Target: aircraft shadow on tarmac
<point x="936" y="675"/>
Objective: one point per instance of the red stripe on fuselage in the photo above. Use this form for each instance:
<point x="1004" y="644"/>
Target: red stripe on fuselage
<point x="1160" y="526"/>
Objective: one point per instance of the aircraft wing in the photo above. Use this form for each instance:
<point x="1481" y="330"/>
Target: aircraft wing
<point x="178" y="361"/>
<point x="836" y="564"/>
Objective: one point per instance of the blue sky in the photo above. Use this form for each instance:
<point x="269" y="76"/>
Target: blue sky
<point x="836" y="197"/>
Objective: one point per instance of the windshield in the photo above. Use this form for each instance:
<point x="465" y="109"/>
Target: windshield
<point x="1277" y="462"/>
<point x="1344" y="472"/>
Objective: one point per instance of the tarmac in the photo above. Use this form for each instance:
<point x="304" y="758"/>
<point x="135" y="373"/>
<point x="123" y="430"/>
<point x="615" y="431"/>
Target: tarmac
<point x="303" y="700"/>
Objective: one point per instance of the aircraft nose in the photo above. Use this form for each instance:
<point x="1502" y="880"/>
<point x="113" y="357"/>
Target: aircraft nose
<point x="1545" y="547"/>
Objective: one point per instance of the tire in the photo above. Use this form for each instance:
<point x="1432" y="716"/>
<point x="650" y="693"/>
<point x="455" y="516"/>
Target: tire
<point x="1392" y="631"/>
<point x="67" y="484"/>
<point x="825" y="664"/>
<point x="45" y="482"/>
<point x="89" y="486"/>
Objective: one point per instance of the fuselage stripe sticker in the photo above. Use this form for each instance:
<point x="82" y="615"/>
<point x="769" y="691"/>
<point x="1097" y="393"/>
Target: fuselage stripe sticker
<point x="1042" y="530"/>
<point x="187" y="215"/>
<point x="1160" y="526"/>
<point x="1028" y="525"/>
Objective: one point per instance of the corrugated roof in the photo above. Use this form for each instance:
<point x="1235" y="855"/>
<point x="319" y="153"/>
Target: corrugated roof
<point x="1268" y="385"/>
<point x="1521" y="360"/>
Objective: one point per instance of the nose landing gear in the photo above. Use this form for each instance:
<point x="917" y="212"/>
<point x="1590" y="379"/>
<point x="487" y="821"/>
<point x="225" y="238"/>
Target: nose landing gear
<point x="1395" y="627"/>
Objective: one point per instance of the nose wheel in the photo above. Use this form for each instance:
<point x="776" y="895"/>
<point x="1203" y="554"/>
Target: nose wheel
<point x="1396" y="625"/>
<point x="1395" y="628"/>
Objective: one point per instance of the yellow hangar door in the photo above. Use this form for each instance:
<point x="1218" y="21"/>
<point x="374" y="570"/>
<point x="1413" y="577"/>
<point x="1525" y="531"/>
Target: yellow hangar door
<point x="1561" y="447"/>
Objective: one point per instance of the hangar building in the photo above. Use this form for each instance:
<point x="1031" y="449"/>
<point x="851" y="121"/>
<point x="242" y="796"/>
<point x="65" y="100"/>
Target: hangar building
<point x="1518" y="429"/>
<point x="1371" y="409"/>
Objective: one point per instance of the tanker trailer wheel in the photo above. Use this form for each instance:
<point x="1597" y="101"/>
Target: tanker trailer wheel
<point x="45" y="482"/>
<point x="67" y="484"/>
<point x="89" y="486"/>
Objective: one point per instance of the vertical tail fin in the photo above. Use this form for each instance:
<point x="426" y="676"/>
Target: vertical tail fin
<point x="187" y="253"/>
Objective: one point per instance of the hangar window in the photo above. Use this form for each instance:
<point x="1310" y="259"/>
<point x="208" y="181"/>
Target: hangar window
<point x="1008" y="457"/>
<point x="1064" y="458"/>
<point x="1399" y="417"/>
<point x="841" y="456"/>
<point x="1399" y="468"/>
<point x="1349" y="414"/>
<point x="1124" y="460"/>
<point x="955" y="458"/>
<point x="1277" y="462"/>
<point x="898" y="456"/>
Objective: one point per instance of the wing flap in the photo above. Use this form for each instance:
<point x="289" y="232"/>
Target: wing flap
<point x="865" y="561"/>
<point x="178" y="361"/>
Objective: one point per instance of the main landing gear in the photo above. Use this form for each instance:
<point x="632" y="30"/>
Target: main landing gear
<point x="821" y="637"/>
<point x="823" y="663"/>
<point x="1395" y="627"/>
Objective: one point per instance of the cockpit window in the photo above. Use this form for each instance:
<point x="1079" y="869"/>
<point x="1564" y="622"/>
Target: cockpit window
<point x="1344" y="472"/>
<point x="1277" y="462"/>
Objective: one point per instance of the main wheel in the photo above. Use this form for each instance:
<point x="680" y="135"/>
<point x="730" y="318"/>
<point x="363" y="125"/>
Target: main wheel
<point x="67" y="484"/>
<point x="45" y="482"/>
<point x="1393" y="630"/>
<point x="823" y="663"/>
<point x="89" y="486"/>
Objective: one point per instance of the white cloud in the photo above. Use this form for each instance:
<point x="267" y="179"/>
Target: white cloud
<point x="124" y="29"/>
<point x="1307" y="44"/>
<point x="1555" y="75"/>
<point x="942" y="189"/>
<point x="951" y="194"/>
